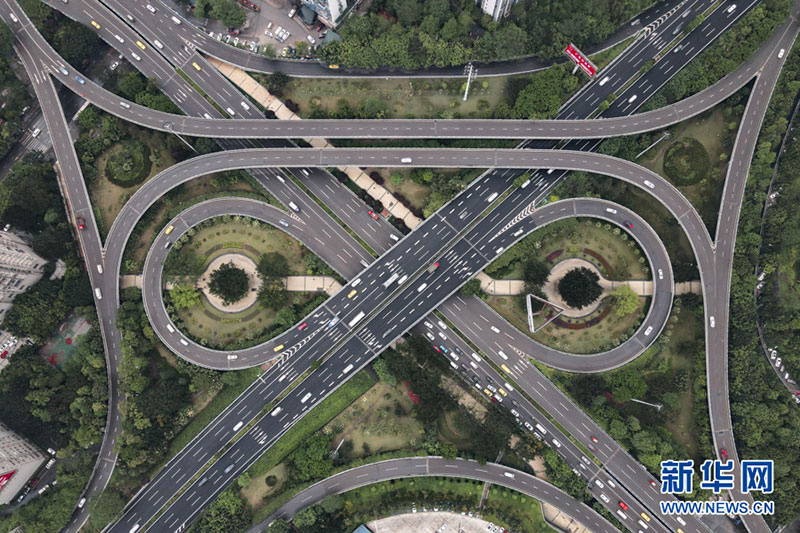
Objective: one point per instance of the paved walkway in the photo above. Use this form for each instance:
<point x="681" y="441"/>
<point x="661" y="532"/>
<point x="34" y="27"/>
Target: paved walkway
<point x="293" y="283"/>
<point x="432" y="521"/>
<point x="253" y="282"/>
<point x="257" y="91"/>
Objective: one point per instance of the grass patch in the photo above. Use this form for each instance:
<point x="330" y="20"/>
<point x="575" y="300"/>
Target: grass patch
<point x="502" y="502"/>
<point x="686" y="161"/>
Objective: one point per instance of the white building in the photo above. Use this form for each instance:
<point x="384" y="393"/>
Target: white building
<point x="497" y="9"/>
<point x="20" y="268"/>
<point x="19" y="460"/>
<point x="329" y="11"/>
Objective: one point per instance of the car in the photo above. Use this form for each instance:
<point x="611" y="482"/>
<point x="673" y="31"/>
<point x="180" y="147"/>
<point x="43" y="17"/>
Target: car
<point x="501" y="391"/>
<point x="126" y="105"/>
<point x="4" y="354"/>
<point x="611" y="210"/>
<point x="120" y="39"/>
<point x="310" y="39"/>
<point x="81" y="503"/>
<point x="731" y="9"/>
<point x="229" y="468"/>
<point x="373" y="214"/>
<point x="136" y="56"/>
<point x="80" y="80"/>
<point x="632" y="99"/>
<point x="81" y="222"/>
<point x="175" y="20"/>
<point x="604" y="80"/>
<point x="711" y="321"/>
<point x="141" y="45"/>
<point x="623" y="505"/>
<point x="660" y="274"/>
<point x="430" y="335"/>
<point x="150" y="8"/>
<point x="648" y="331"/>
<point x="13" y="17"/>
<point x="405" y="160"/>
<point x="515" y="403"/>
<point x="96" y="25"/>
<point x="724" y="453"/>
<point x="128" y="16"/>
<point x="628" y="224"/>
<point x="352" y="293"/>
<point x="652" y="483"/>
<point x="433" y="267"/>
<point x="169" y="229"/>
<point x="649" y="184"/>
<point x="645" y="516"/>
<point x="594" y="439"/>
<point x="292" y="12"/>
<point x="158" y="44"/>
<point x="114" y="65"/>
<point x="781" y="52"/>
<point x="63" y="71"/>
<point x="36" y="132"/>
<point x="604" y="497"/>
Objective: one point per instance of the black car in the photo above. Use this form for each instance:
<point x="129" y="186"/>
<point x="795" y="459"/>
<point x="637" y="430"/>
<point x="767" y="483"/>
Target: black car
<point x="489" y="379"/>
<point x="476" y="379"/>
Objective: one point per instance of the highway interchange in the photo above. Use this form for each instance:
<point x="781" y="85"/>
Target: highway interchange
<point x="462" y="259"/>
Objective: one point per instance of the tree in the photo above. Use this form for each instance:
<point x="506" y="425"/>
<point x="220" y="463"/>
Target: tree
<point x="229" y="283"/>
<point x="625" y="300"/>
<point x="226" y="514"/>
<point x="579" y="287"/>
<point x="272" y="269"/>
<point x="472" y="288"/>
<point x="311" y="460"/>
<point x="306" y="517"/>
<point x="535" y="273"/>
<point x="626" y="384"/>
<point x="185" y="296"/>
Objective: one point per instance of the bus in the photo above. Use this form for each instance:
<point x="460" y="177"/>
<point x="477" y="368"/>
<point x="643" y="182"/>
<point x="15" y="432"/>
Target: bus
<point x="356" y="319"/>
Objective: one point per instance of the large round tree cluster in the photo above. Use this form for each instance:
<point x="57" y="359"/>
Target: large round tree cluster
<point x="229" y="283"/>
<point x="579" y="287"/>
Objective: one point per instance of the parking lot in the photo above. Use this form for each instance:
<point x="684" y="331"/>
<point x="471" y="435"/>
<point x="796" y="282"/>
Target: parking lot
<point x="262" y="27"/>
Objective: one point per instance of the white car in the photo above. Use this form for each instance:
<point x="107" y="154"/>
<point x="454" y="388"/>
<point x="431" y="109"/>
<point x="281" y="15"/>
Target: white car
<point x="310" y="39"/>
<point x="660" y="274"/>
<point x="136" y="56"/>
<point x="150" y="8"/>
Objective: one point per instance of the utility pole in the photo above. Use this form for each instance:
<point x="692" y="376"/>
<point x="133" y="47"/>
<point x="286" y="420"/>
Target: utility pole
<point x="169" y="128"/>
<point x="471" y="72"/>
<point x="665" y="136"/>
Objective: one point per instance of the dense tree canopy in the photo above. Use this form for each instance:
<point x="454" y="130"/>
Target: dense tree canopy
<point x="625" y="300"/>
<point x="229" y="282"/>
<point x="579" y="287"/>
<point x="272" y="269"/>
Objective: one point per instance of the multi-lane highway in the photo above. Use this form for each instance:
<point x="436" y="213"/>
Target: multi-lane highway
<point x="460" y="235"/>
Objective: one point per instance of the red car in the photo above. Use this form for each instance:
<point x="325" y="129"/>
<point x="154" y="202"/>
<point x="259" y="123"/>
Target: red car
<point x="594" y="439"/>
<point x="628" y="224"/>
<point x="724" y="454"/>
<point x="373" y="214"/>
<point x="302" y="326"/>
<point x="4" y="354"/>
<point x="623" y="505"/>
<point x="652" y="483"/>
<point x="34" y="481"/>
<point x="438" y="350"/>
<point x="81" y="223"/>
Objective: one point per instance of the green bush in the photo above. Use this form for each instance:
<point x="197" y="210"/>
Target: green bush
<point x="129" y="165"/>
<point x="686" y="162"/>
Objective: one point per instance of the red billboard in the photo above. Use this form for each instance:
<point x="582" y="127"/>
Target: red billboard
<point x="4" y="478"/>
<point x="582" y="61"/>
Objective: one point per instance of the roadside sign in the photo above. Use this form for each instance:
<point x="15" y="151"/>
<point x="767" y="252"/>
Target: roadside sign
<point x="578" y="57"/>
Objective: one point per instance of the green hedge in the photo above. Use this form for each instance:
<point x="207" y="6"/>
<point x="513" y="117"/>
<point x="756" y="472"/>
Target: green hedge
<point x="130" y="164"/>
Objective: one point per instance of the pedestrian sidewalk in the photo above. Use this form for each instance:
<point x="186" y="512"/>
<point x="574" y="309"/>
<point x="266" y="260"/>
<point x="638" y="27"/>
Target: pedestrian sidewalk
<point x="260" y="94"/>
<point x="293" y="283"/>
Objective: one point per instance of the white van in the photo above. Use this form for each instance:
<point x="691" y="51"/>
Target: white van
<point x="294" y="207"/>
<point x="492" y="197"/>
<point x="176" y="20"/>
<point x="422" y="287"/>
<point x="495" y="329"/>
<point x="98" y="294"/>
<point x="541" y="429"/>
<point x="508" y="474"/>
<point x="230" y="111"/>
<point x="170" y="328"/>
<point x="501" y="354"/>
<point x="632" y="99"/>
<point x="99" y="269"/>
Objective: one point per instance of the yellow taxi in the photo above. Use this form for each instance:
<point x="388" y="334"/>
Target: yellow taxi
<point x="278" y="348"/>
<point x="352" y="293"/>
<point x="169" y="230"/>
<point x="488" y="392"/>
<point x="96" y="25"/>
<point x="141" y="45"/>
<point x="196" y="66"/>
<point x="505" y="369"/>
<point x="501" y="391"/>
<point x="647" y="518"/>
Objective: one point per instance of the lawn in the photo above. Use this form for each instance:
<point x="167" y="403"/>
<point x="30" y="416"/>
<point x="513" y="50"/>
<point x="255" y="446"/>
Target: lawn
<point x="210" y="242"/>
<point x="381" y="419"/>
<point x="111" y="197"/>
<point x="528" y="510"/>
<point x="404" y="97"/>
<point x="583" y="341"/>
<point x="416" y="193"/>
<point x="709" y="129"/>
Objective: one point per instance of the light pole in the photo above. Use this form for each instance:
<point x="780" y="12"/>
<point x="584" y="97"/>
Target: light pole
<point x="471" y="72"/>
<point x="658" y="406"/>
<point x="168" y="126"/>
